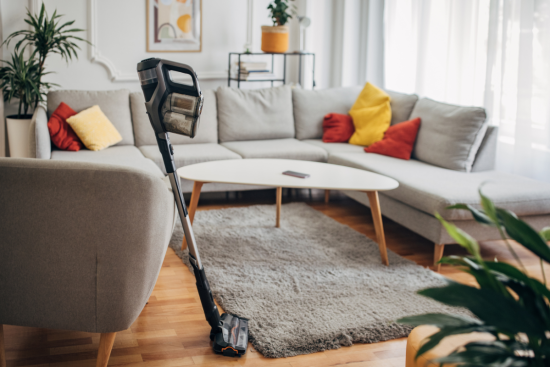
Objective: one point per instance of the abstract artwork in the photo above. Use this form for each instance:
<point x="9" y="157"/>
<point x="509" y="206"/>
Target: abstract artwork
<point x="174" y="26"/>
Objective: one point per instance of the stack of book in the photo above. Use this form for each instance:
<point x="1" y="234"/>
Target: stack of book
<point x="252" y="71"/>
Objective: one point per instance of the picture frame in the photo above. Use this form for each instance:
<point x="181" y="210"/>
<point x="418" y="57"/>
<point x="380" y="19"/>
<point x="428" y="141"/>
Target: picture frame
<point x="174" y="25"/>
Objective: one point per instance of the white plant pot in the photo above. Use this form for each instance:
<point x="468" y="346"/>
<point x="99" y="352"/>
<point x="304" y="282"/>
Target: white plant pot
<point x="19" y="136"/>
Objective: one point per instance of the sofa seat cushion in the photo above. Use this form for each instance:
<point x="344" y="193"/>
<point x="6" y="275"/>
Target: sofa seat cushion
<point x="431" y="189"/>
<point x="332" y="148"/>
<point x="279" y="148"/>
<point x="115" y="104"/>
<point x="128" y="156"/>
<point x="187" y="154"/>
<point x="208" y="129"/>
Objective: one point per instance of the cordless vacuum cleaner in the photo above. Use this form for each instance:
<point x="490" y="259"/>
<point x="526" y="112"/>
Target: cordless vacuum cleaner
<point x="176" y="108"/>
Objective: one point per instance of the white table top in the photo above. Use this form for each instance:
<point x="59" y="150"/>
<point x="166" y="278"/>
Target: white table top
<point x="269" y="172"/>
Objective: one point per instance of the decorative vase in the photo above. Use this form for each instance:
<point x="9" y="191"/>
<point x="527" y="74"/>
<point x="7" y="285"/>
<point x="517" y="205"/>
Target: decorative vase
<point x="19" y="135"/>
<point x="274" y="39"/>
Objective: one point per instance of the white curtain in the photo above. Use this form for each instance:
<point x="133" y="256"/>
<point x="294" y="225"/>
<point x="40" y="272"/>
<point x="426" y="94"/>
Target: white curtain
<point x="347" y="37"/>
<point x="491" y="53"/>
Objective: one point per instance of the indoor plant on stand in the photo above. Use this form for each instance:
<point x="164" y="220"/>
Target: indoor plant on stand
<point x="22" y="79"/>
<point x="275" y="38"/>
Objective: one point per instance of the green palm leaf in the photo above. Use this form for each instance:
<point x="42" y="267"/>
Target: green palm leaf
<point x="47" y="35"/>
<point x="509" y="304"/>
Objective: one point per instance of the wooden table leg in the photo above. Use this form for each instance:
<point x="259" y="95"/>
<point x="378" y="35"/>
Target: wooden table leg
<point x="197" y="186"/>
<point x="106" y="341"/>
<point x="327" y="196"/>
<point x="378" y="226"/>
<point x="279" y="202"/>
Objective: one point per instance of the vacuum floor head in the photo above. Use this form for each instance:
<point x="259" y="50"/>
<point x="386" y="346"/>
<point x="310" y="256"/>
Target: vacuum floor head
<point x="232" y="339"/>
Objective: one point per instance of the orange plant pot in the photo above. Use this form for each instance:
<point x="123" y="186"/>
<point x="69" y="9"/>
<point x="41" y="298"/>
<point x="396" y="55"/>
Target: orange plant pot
<point x="274" y="39"/>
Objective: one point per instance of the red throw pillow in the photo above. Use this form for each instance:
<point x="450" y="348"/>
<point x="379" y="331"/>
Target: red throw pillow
<point x="398" y="140"/>
<point x="337" y="128"/>
<point x="61" y="133"/>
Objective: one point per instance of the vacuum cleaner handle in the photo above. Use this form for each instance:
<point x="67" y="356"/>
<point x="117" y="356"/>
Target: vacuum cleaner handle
<point x="185" y="69"/>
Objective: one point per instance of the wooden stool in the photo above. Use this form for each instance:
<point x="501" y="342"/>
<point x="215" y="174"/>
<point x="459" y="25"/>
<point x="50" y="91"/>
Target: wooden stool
<point x="444" y="348"/>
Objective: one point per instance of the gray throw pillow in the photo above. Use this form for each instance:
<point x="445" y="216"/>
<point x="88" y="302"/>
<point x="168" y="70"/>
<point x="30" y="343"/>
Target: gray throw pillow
<point x="311" y="106"/>
<point x="401" y="106"/>
<point x="449" y="135"/>
<point x="258" y="114"/>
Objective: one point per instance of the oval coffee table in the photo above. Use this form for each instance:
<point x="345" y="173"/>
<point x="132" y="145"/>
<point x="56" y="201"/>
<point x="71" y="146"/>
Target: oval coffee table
<point x="269" y="172"/>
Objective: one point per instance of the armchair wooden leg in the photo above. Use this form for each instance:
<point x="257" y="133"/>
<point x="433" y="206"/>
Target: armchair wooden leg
<point x="327" y="196"/>
<point x="2" y="347"/>
<point x="106" y="341"/>
<point x="438" y="254"/>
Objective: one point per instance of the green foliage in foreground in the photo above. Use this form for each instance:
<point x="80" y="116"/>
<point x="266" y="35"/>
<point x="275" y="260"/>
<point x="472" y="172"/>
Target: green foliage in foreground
<point x="508" y="303"/>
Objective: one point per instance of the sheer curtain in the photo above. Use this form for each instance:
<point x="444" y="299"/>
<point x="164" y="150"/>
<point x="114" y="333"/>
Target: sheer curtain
<point x="491" y="53"/>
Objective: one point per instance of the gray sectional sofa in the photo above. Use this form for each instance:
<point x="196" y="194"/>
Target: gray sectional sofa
<point x="73" y="235"/>
<point x="453" y="156"/>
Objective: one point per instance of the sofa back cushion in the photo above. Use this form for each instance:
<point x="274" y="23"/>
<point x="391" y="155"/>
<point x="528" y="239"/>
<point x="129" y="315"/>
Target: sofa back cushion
<point x="208" y="128"/>
<point x="449" y="135"/>
<point x="258" y="114"/>
<point x="115" y="104"/>
<point x="401" y="106"/>
<point x="311" y="106"/>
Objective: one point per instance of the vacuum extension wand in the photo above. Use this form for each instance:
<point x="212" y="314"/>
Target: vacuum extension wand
<point x="176" y="108"/>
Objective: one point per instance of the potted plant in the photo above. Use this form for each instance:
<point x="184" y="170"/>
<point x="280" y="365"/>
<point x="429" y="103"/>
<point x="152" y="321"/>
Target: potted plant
<point x="19" y="79"/>
<point x="507" y="303"/>
<point x="275" y="38"/>
<point x="23" y="79"/>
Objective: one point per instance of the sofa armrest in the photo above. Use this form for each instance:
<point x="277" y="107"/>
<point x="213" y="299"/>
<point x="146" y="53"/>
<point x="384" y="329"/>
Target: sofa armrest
<point x="41" y="144"/>
<point x="486" y="155"/>
<point x="82" y="243"/>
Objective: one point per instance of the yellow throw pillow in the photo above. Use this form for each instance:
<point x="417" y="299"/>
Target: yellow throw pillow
<point x="371" y="114"/>
<point x="94" y="129"/>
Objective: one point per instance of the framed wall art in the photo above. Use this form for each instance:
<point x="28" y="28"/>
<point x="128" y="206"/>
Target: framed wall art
<point x="174" y="25"/>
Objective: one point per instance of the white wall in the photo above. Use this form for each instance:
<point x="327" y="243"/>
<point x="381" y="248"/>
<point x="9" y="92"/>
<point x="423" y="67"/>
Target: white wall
<point x="117" y="29"/>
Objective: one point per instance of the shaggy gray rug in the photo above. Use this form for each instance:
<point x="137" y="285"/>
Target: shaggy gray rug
<point x="313" y="284"/>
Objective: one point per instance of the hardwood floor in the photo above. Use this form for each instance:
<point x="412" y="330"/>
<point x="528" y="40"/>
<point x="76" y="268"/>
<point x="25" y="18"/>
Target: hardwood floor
<point x="171" y="330"/>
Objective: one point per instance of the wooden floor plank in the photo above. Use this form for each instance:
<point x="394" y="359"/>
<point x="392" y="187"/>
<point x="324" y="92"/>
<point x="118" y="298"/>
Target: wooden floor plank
<point x="171" y="330"/>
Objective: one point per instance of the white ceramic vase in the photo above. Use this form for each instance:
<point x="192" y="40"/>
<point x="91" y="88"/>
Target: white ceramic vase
<point x="19" y="136"/>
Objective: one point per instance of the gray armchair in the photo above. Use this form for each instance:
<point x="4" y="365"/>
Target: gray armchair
<point x="81" y="245"/>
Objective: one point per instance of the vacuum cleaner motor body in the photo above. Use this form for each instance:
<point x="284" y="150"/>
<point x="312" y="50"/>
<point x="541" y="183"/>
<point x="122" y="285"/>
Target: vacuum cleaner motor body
<point x="178" y="106"/>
